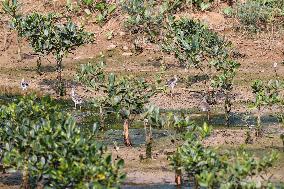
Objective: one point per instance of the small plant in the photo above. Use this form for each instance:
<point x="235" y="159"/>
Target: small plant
<point x="202" y="4"/>
<point x="182" y="160"/>
<point x="182" y="123"/>
<point x="104" y="8"/>
<point x="124" y="96"/>
<point x="258" y="14"/>
<point x="88" y="3"/>
<point x="144" y="18"/>
<point x="224" y="82"/>
<point x="193" y="43"/>
<point x="266" y="94"/>
<point x="212" y="170"/>
<point x="11" y="7"/>
<point x="47" y="37"/>
<point x="152" y="118"/>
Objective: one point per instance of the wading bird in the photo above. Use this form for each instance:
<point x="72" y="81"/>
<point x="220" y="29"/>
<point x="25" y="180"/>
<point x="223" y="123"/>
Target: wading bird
<point x="205" y="107"/>
<point x="24" y="84"/>
<point x="172" y="83"/>
<point x="76" y="98"/>
<point x="275" y="68"/>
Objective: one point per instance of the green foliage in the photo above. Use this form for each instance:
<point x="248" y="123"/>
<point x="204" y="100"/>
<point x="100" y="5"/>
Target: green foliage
<point x="265" y="93"/>
<point x="48" y="146"/>
<point x="79" y="161"/>
<point x="228" y="11"/>
<point x="182" y="122"/>
<point x="192" y="43"/>
<point x="11" y="8"/>
<point x="228" y="69"/>
<point x="88" y="3"/>
<point x="202" y="4"/>
<point x="46" y="36"/>
<point x="144" y="17"/>
<point x="124" y="96"/>
<point x="91" y="75"/>
<point x="213" y="170"/>
<point x="153" y="117"/>
<point x="223" y="81"/>
<point x="149" y="17"/>
<point x="104" y="8"/>
<point x="256" y="14"/>
<point x="28" y="107"/>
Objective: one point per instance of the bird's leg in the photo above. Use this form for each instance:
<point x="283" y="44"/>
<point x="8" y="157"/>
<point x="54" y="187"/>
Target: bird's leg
<point x="208" y="116"/>
<point x="172" y="92"/>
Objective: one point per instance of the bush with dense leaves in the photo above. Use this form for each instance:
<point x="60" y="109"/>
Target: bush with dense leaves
<point x="258" y="14"/>
<point x="47" y="35"/>
<point x="193" y="43"/>
<point x="124" y="96"/>
<point x="51" y="150"/>
<point x="217" y="170"/>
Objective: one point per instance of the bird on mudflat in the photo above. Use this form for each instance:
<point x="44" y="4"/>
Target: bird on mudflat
<point x="172" y="83"/>
<point x="76" y="98"/>
<point x="275" y="68"/>
<point x="24" y="84"/>
<point x="205" y="107"/>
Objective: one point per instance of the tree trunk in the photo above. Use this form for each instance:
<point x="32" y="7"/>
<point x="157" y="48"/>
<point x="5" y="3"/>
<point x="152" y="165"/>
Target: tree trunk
<point x="25" y="179"/>
<point x="196" y="185"/>
<point x="127" y="140"/>
<point x="38" y="65"/>
<point x="59" y="70"/>
<point x="227" y="109"/>
<point x="19" y="48"/>
<point x="178" y="177"/>
<point x="258" y="132"/>
<point x="60" y="86"/>
<point x="102" y="120"/>
<point x="148" y="140"/>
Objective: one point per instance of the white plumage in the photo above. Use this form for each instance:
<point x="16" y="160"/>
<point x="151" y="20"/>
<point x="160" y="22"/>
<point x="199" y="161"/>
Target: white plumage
<point x="172" y="83"/>
<point x="24" y="84"/>
<point x="205" y="107"/>
<point x="76" y="98"/>
<point x="275" y="65"/>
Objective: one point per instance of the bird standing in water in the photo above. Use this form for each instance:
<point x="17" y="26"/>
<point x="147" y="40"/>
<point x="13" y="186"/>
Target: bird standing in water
<point x="24" y="84"/>
<point x="76" y="98"/>
<point x="172" y="83"/>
